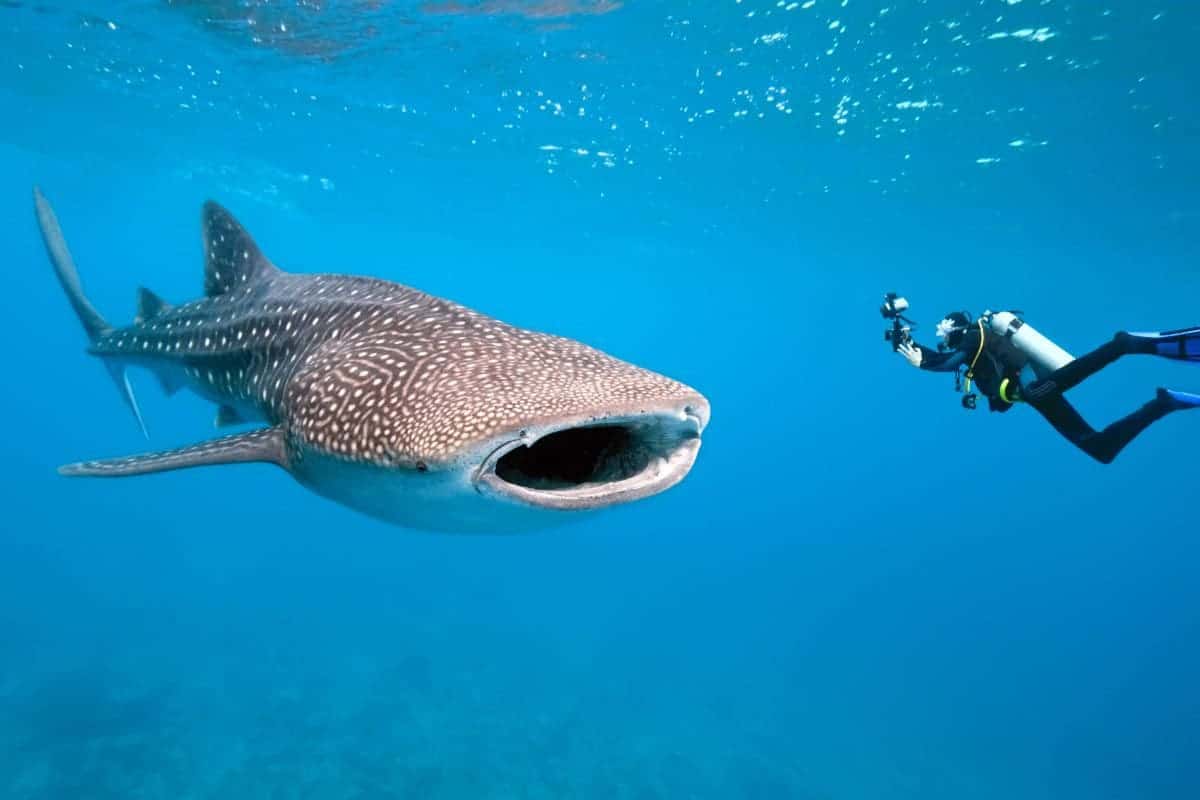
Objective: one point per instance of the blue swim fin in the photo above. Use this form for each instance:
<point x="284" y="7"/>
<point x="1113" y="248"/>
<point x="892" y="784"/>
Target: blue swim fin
<point x="1181" y="345"/>
<point x="1177" y="401"/>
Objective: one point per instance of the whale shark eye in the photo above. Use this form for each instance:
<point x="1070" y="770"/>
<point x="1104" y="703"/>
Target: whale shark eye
<point x="422" y="466"/>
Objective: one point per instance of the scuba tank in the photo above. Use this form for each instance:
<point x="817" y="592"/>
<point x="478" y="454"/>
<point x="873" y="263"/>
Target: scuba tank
<point x="1044" y="355"/>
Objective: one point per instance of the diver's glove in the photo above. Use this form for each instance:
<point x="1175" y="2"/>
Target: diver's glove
<point x="911" y="352"/>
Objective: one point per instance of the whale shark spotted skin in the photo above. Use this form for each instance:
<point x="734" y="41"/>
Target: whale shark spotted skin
<point x="410" y="408"/>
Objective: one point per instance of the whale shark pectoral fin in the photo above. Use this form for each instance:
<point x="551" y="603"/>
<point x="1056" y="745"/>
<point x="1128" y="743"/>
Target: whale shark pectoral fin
<point x="264" y="445"/>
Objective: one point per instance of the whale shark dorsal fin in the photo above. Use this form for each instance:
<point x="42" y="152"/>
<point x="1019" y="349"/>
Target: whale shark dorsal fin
<point x="149" y="305"/>
<point x="231" y="258"/>
<point x="265" y="445"/>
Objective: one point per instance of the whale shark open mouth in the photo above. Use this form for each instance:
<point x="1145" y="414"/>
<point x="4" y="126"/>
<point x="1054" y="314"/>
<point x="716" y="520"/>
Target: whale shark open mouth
<point x="597" y="463"/>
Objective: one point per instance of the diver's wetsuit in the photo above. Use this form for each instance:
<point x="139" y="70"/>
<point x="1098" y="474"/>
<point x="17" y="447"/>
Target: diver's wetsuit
<point x="1000" y="360"/>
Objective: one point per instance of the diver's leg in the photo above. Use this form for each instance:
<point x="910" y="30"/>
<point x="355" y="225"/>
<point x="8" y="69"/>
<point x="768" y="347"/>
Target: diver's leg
<point x="1106" y="444"/>
<point x="1071" y="375"/>
<point x="1182" y="345"/>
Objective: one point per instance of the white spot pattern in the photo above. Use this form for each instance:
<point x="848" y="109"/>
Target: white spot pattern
<point x="366" y="369"/>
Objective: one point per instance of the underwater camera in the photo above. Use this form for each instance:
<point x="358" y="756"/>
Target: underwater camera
<point x="893" y="308"/>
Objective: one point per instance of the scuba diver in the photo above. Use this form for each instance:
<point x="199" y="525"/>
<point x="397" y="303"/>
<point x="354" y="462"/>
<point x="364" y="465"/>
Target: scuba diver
<point x="1010" y="362"/>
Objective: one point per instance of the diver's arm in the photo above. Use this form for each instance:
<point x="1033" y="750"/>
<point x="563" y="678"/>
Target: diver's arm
<point x="933" y="360"/>
<point x="937" y="361"/>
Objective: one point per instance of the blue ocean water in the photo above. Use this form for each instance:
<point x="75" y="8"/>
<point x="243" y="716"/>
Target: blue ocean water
<point x="861" y="591"/>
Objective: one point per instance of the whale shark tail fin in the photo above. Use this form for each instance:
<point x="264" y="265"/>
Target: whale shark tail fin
<point x="93" y="323"/>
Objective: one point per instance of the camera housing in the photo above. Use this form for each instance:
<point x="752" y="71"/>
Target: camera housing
<point x="893" y="305"/>
<point x="893" y="308"/>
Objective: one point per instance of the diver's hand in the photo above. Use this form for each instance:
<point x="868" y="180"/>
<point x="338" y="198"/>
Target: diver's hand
<point x="910" y="352"/>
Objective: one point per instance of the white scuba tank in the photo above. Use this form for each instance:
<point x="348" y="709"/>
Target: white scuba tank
<point x="1044" y="355"/>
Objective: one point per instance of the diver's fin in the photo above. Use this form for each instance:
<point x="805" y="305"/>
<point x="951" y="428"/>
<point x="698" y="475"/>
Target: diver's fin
<point x="68" y="276"/>
<point x="1181" y="345"/>
<point x="231" y="258"/>
<point x="228" y="415"/>
<point x="266" y="445"/>
<point x="1178" y="401"/>
<point x="149" y="305"/>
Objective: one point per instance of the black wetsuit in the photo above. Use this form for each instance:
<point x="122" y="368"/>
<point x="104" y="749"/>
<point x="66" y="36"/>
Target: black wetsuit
<point x="1000" y="359"/>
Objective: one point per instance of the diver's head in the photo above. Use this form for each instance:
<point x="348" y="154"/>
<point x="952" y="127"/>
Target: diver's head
<point x="951" y="329"/>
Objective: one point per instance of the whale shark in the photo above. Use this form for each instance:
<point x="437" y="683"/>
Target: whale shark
<point x="410" y="408"/>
